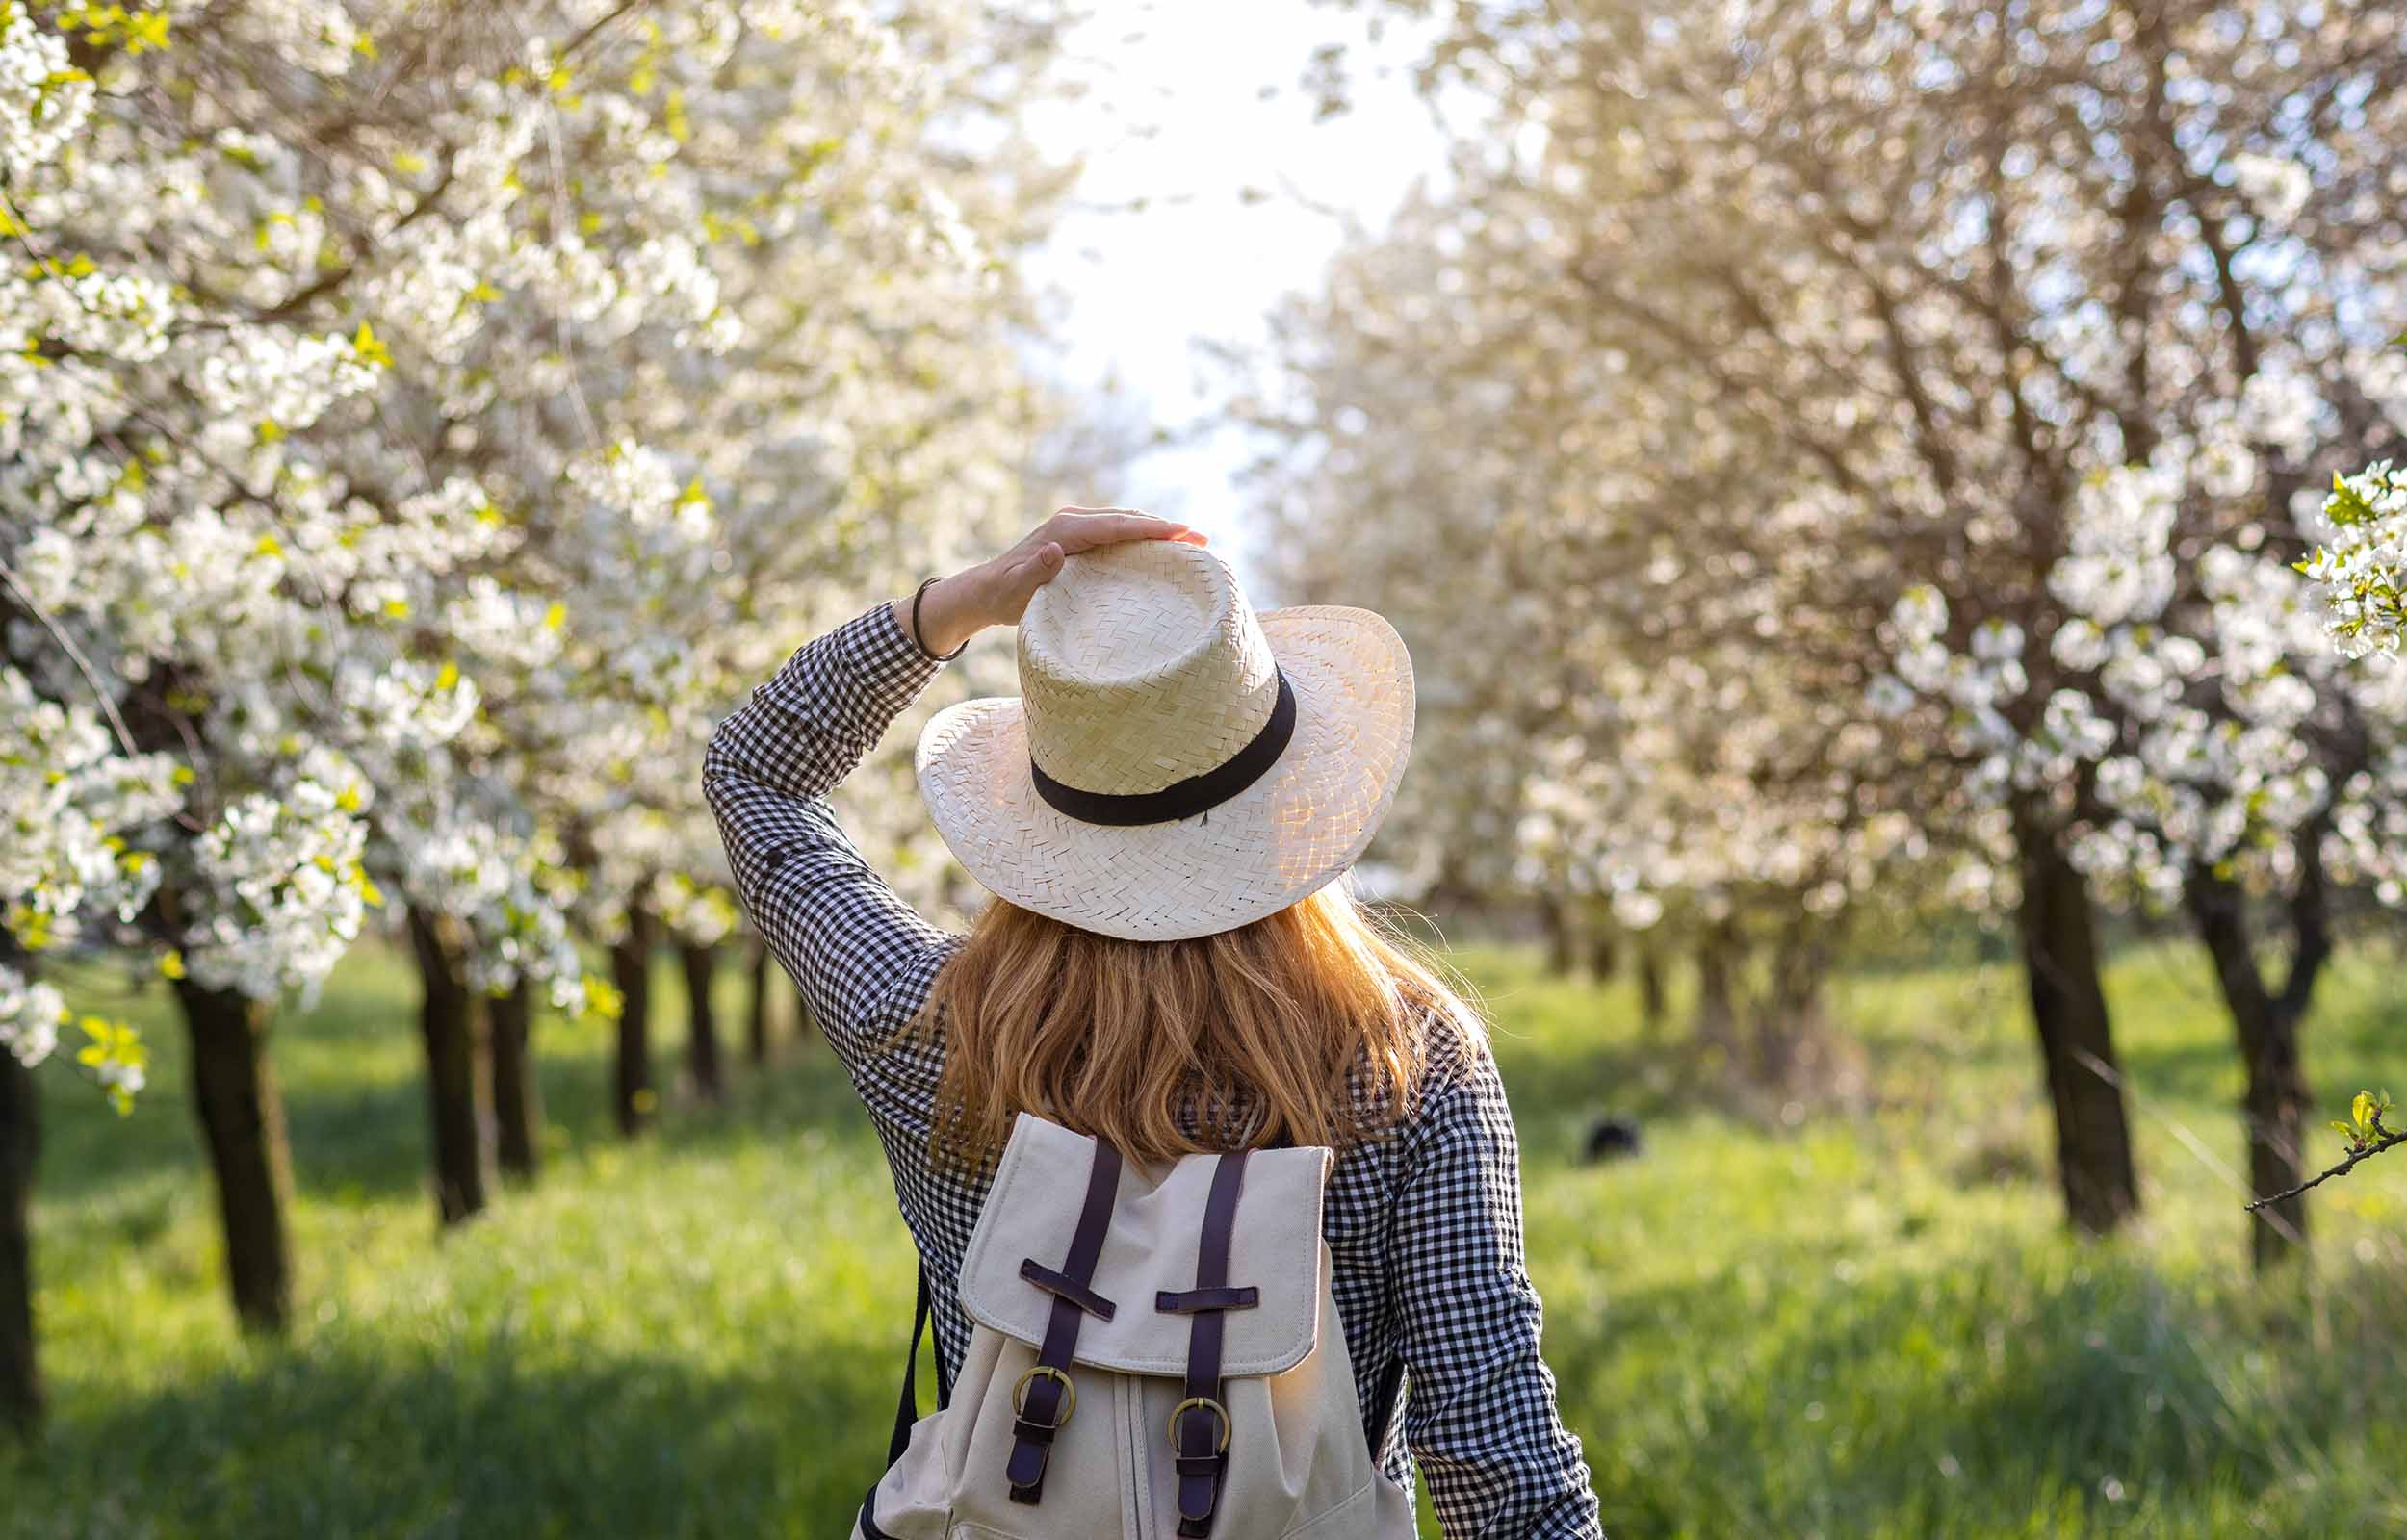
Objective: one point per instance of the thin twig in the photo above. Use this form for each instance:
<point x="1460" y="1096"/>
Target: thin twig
<point x="82" y="664"/>
<point x="576" y="44"/>
<point x="2384" y="1139"/>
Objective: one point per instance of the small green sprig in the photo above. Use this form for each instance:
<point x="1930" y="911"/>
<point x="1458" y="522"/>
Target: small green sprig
<point x="2364" y="1120"/>
<point x="2366" y="1135"/>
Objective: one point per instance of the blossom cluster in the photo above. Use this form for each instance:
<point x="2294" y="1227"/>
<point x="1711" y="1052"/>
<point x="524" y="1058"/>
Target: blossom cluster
<point x="31" y="1014"/>
<point x="65" y="795"/>
<point x="2363" y="569"/>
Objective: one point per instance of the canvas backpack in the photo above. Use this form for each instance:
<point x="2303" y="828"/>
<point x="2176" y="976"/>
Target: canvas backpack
<point x="1152" y="1353"/>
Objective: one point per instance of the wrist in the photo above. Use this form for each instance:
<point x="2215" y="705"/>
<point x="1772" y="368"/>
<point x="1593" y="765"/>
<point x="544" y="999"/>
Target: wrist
<point x="941" y="616"/>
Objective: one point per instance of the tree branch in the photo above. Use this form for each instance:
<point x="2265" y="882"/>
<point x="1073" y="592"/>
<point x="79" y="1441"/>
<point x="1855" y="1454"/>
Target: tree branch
<point x="2384" y="1139"/>
<point x="75" y="653"/>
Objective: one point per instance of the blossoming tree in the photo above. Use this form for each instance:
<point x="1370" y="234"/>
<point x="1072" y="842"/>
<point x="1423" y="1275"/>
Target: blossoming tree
<point x="393" y="407"/>
<point x="1613" y="737"/>
<point x="1984" y="368"/>
<point x="176" y="555"/>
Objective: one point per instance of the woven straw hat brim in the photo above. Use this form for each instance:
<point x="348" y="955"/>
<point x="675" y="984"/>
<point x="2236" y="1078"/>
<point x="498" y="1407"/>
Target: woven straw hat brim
<point x="1279" y="840"/>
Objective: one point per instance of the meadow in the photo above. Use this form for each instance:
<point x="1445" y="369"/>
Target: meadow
<point x="1865" y="1326"/>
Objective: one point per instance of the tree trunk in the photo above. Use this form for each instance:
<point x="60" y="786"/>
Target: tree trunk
<point x="517" y="1098"/>
<point x="764" y="976"/>
<point x="1603" y="957"/>
<point x="2275" y="1103"/>
<point x="1562" y="935"/>
<point x="20" y="1141"/>
<point x="630" y="970"/>
<point x="1716" y="988"/>
<point x="2057" y="931"/>
<point x="447" y="1020"/>
<point x="1792" y="1006"/>
<point x="701" y="1022"/>
<point x="1653" y="1006"/>
<point x="241" y="1117"/>
<point x="2275" y="1106"/>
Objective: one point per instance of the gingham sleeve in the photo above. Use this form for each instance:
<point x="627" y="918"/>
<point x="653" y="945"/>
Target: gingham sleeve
<point x="860" y="955"/>
<point x="1479" y="1414"/>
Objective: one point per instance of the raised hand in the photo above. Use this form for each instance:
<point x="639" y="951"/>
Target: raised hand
<point x="996" y="592"/>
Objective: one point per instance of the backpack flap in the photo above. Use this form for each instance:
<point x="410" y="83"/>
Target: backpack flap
<point x="1150" y="1249"/>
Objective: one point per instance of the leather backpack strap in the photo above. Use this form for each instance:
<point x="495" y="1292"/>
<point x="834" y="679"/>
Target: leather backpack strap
<point x="1384" y="1404"/>
<point x="1200" y="1426"/>
<point x="907" y="1406"/>
<point x="1044" y="1400"/>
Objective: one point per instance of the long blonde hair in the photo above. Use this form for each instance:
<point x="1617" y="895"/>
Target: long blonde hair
<point x="1311" y="1026"/>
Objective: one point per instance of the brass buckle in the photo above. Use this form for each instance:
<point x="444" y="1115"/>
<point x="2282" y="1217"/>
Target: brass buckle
<point x="1069" y="1391"/>
<point x="1204" y="1403"/>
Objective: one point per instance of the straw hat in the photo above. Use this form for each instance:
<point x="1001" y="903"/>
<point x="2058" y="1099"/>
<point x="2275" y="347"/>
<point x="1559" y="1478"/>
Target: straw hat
<point x="1176" y="765"/>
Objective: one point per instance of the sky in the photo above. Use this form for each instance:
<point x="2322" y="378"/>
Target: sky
<point x="1193" y="113"/>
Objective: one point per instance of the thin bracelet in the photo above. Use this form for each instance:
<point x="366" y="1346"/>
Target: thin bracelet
<point x="917" y="595"/>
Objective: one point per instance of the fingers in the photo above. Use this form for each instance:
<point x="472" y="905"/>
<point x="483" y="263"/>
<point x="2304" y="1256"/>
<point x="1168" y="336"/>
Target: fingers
<point x="1085" y="528"/>
<point x="1080" y="529"/>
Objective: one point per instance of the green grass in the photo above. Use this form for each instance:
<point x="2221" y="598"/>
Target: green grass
<point x="1863" y="1327"/>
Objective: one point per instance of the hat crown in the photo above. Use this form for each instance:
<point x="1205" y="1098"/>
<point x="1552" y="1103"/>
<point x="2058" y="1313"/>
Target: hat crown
<point x="1140" y="665"/>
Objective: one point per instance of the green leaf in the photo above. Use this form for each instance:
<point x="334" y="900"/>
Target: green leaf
<point x="2361" y="1111"/>
<point x="2345" y="505"/>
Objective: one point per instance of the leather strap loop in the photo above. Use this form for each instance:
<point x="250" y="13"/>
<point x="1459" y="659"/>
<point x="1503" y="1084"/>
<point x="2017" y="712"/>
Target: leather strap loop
<point x="1181" y="1304"/>
<point x="1078" y="1293"/>
<point x="1034" y="1432"/>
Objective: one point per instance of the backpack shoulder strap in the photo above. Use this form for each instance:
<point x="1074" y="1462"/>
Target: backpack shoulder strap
<point x="1385" y="1404"/>
<point x="907" y="1406"/>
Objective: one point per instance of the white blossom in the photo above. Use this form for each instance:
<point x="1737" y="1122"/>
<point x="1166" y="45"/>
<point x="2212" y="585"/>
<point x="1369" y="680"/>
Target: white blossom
<point x="2278" y="187"/>
<point x="29" y="1016"/>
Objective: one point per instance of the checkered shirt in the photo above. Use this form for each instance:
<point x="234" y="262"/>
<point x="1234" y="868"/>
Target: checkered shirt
<point x="1424" y="1229"/>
